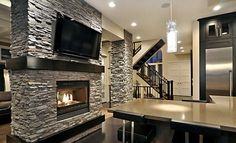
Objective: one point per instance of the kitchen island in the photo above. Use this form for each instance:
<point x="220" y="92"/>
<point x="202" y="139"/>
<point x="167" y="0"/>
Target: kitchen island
<point x="217" y="118"/>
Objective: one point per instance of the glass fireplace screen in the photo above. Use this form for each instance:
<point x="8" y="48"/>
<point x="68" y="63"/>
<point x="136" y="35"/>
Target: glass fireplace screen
<point x="72" y="96"/>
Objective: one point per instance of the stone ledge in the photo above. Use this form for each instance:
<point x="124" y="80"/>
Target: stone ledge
<point x="63" y="135"/>
<point x="33" y="63"/>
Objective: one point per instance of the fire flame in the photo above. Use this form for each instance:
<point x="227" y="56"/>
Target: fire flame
<point x="64" y="99"/>
<point x="67" y="98"/>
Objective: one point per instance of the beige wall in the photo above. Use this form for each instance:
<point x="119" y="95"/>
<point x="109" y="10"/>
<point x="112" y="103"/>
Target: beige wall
<point x="196" y="74"/>
<point x="7" y="80"/>
<point x="106" y="47"/>
<point x="112" y="28"/>
<point x="167" y="57"/>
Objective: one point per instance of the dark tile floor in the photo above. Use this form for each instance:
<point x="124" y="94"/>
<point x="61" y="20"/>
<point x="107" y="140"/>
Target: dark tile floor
<point x="105" y="135"/>
<point x="108" y="133"/>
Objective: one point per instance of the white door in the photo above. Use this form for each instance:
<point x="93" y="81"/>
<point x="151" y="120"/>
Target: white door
<point x="180" y="73"/>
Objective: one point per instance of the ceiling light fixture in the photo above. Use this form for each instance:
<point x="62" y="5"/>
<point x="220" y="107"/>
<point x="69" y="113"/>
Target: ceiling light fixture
<point x="171" y="33"/>
<point x="111" y="4"/>
<point x="181" y="48"/>
<point x="217" y="7"/>
<point x="182" y="51"/>
<point x="138" y="37"/>
<point x="179" y="42"/>
<point x="133" y="24"/>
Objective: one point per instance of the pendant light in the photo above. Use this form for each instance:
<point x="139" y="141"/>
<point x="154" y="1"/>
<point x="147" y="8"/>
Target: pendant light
<point x="171" y="33"/>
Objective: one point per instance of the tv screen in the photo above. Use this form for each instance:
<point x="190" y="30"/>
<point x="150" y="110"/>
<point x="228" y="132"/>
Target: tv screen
<point x="75" y="39"/>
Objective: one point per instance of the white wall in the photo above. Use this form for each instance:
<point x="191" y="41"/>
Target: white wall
<point x="196" y="64"/>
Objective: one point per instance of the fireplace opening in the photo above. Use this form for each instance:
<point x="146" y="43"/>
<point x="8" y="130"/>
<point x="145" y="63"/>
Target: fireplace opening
<point x="72" y="98"/>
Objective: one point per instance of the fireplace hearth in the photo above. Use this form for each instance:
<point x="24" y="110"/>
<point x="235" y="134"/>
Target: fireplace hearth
<point x="72" y="98"/>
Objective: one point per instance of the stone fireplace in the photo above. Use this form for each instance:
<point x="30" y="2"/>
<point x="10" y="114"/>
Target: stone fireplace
<point x="51" y="94"/>
<point x="72" y="98"/>
<point x="38" y="90"/>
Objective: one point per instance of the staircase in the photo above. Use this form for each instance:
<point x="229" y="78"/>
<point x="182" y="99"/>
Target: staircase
<point x="148" y="54"/>
<point x="159" y="83"/>
<point x="156" y="81"/>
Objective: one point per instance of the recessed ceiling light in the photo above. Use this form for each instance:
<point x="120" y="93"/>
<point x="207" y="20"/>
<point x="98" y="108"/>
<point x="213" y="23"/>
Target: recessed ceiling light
<point x="217" y="7"/>
<point x="133" y="24"/>
<point x="182" y="51"/>
<point x="179" y="42"/>
<point x="181" y="48"/>
<point x="111" y="4"/>
<point x="138" y="37"/>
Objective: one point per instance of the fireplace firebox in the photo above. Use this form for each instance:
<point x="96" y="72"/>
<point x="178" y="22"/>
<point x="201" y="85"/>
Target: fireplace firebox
<point x="72" y="98"/>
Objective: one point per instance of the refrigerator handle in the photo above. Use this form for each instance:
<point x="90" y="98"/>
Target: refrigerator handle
<point x="230" y="83"/>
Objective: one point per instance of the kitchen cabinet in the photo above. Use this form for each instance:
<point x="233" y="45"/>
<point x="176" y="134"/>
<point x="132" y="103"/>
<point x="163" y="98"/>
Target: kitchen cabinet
<point x="218" y="29"/>
<point x="217" y="33"/>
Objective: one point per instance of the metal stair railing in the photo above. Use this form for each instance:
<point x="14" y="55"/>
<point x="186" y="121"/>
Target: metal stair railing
<point x="158" y="82"/>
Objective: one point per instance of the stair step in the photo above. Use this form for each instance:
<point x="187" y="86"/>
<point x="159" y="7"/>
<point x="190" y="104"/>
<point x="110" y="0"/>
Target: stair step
<point x="148" y="55"/>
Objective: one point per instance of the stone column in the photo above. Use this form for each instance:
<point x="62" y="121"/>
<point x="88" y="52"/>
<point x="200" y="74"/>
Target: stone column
<point x="122" y="70"/>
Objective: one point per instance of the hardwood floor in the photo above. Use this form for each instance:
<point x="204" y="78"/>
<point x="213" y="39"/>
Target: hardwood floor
<point x="4" y="130"/>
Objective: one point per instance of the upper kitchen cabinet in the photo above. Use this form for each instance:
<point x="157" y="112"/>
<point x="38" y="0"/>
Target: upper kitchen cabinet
<point x="218" y="27"/>
<point x="217" y="52"/>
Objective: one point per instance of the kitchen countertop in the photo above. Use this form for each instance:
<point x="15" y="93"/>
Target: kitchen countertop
<point x="221" y="114"/>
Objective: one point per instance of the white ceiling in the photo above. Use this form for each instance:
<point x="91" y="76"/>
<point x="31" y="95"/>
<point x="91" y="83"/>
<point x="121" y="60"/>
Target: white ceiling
<point x="152" y="18"/>
<point x="149" y="15"/>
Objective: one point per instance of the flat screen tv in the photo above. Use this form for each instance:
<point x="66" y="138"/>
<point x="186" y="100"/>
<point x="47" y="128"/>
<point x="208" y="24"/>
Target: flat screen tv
<point x="75" y="39"/>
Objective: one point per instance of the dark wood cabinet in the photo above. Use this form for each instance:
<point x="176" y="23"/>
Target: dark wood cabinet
<point x="216" y="32"/>
<point x="216" y="29"/>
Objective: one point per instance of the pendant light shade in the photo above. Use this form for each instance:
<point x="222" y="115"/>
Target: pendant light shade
<point x="171" y="37"/>
<point x="171" y="33"/>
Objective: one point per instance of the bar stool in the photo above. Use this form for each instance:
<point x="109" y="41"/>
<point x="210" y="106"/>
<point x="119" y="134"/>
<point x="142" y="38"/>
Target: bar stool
<point x="143" y="131"/>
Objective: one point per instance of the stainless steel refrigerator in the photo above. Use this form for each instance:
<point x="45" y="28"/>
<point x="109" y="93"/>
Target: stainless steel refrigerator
<point x="219" y="71"/>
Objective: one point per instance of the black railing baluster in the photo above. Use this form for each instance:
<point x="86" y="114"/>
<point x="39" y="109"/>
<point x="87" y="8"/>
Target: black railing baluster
<point x="171" y="90"/>
<point x="109" y="96"/>
<point x="157" y="82"/>
<point x="137" y="92"/>
<point x="160" y="88"/>
<point x="168" y="90"/>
